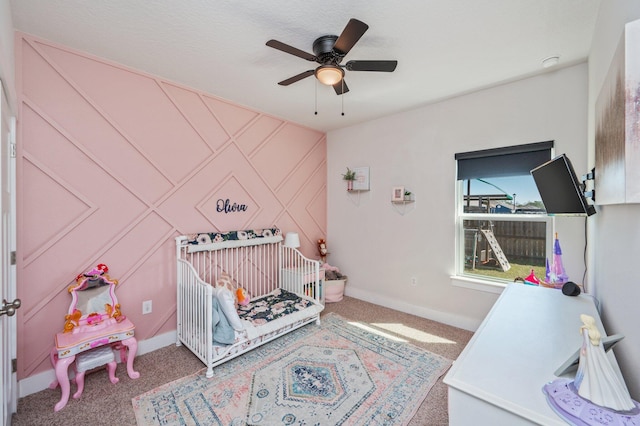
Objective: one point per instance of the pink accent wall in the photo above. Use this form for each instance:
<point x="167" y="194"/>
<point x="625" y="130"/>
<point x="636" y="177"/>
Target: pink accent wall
<point x="114" y="163"/>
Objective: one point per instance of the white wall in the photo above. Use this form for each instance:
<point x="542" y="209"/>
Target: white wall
<point x="615" y="234"/>
<point x="380" y="250"/>
<point x="7" y="59"/>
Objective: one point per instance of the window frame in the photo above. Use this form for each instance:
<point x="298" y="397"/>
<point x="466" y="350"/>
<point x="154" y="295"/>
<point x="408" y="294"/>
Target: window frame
<point x="460" y="249"/>
<point x="479" y="282"/>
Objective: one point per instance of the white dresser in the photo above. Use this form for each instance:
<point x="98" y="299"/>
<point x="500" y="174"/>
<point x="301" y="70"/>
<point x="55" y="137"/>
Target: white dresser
<point x="498" y="378"/>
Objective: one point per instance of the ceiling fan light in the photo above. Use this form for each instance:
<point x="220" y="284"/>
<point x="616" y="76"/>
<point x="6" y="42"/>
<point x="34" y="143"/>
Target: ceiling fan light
<point x="329" y="74"/>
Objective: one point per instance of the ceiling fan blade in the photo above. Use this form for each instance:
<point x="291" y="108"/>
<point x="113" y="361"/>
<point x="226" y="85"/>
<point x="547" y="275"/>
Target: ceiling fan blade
<point x="341" y="87"/>
<point x="290" y="50"/>
<point x="383" y="66"/>
<point x="296" y="78"/>
<point x="350" y="36"/>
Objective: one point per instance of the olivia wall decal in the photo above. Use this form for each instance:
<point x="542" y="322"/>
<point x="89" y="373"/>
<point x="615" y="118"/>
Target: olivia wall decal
<point x="226" y="206"/>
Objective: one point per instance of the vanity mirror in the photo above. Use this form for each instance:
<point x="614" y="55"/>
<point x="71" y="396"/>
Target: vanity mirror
<point x="94" y="301"/>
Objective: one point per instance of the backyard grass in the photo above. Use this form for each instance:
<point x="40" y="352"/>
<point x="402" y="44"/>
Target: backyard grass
<point x="517" y="270"/>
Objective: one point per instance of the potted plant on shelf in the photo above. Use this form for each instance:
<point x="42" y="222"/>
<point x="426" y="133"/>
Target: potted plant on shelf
<point x="407" y="195"/>
<point x="349" y="176"/>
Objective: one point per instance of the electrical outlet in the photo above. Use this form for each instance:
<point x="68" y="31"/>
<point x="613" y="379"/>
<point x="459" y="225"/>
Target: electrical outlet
<point x="146" y="307"/>
<point x="414" y="281"/>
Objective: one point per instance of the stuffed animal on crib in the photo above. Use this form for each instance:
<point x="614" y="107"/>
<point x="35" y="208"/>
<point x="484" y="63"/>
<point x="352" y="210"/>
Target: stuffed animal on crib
<point x="242" y="296"/>
<point x="322" y="248"/>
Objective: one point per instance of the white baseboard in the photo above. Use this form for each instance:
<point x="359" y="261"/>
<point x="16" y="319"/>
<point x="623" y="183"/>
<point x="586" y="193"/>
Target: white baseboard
<point x="41" y="381"/>
<point x="460" y="321"/>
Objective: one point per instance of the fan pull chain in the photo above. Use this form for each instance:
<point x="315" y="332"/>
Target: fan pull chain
<point x="316" y="86"/>
<point x="342" y="96"/>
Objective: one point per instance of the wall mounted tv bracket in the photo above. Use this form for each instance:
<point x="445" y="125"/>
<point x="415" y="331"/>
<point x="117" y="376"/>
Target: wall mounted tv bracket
<point x="589" y="176"/>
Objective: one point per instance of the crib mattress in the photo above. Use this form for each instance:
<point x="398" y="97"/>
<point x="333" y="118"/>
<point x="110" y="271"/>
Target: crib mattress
<point x="277" y="304"/>
<point x="272" y="314"/>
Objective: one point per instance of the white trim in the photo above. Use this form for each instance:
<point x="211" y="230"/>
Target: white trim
<point x="459" y="321"/>
<point x="478" y="284"/>
<point x="41" y="381"/>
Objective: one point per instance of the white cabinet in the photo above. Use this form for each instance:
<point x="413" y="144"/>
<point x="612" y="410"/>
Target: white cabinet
<point x="527" y="335"/>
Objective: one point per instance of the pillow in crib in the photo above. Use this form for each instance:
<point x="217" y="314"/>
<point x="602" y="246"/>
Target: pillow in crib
<point x="228" y="306"/>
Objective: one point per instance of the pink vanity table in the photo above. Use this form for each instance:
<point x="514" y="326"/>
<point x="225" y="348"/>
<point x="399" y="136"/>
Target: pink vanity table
<point x="104" y="324"/>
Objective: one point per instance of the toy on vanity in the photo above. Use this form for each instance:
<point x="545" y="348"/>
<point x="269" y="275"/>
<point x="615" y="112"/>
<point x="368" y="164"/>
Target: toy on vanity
<point x="94" y="303"/>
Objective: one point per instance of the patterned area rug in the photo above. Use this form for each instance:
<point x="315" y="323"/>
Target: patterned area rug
<point x="333" y="374"/>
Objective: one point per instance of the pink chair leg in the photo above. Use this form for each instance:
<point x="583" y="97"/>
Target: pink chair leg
<point x="62" y="366"/>
<point x="80" y="382"/>
<point x="132" y="344"/>
<point x="54" y="359"/>
<point x="123" y="354"/>
<point x="112" y="372"/>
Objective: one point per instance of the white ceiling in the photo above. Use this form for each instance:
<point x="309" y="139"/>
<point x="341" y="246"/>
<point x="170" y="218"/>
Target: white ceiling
<point x="444" y="47"/>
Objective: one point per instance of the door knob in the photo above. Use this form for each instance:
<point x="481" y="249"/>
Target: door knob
<point x="9" y="308"/>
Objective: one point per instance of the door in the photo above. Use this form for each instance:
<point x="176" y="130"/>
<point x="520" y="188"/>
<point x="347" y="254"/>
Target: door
<point x="8" y="391"/>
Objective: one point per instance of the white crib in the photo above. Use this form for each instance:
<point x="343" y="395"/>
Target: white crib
<point x="254" y="260"/>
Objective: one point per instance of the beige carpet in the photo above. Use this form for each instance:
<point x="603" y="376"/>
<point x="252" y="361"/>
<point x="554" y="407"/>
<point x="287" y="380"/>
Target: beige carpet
<point x="103" y="403"/>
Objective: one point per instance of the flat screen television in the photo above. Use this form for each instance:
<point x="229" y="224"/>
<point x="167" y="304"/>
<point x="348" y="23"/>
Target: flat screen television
<point x="559" y="188"/>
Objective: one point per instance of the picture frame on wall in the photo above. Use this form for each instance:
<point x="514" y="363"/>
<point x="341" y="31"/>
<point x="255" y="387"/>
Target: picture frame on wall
<point x="397" y="193"/>
<point x="361" y="182"/>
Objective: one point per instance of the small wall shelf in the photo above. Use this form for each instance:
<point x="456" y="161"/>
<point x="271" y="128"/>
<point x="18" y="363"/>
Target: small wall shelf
<point x="403" y="207"/>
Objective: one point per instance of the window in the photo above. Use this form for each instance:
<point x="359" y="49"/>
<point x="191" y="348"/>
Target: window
<point x="503" y="231"/>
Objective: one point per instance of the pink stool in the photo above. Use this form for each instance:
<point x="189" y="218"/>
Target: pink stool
<point x="91" y="359"/>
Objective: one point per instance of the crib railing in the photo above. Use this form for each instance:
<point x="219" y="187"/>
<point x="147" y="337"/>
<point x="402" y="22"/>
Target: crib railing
<point x="257" y="266"/>
<point x="301" y="275"/>
<point x="194" y="312"/>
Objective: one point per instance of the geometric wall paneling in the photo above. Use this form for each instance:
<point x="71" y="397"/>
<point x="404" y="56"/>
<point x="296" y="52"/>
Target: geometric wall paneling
<point x="289" y="146"/>
<point x="229" y="205"/>
<point x="316" y="209"/>
<point x="257" y="134"/>
<point x="150" y="275"/>
<point x="198" y="115"/>
<point x="232" y="117"/>
<point x="125" y="161"/>
<point x="306" y="173"/>
<point x="60" y="201"/>
<point x="130" y="248"/>
<point x="83" y="124"/>
<point x="308" y="239"/>
<point x="139" y="108"/>
<point x="186" y="205"/>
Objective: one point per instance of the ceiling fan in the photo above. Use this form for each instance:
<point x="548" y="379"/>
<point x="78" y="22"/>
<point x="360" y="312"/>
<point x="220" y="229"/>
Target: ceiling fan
<point x="329" y="51"/>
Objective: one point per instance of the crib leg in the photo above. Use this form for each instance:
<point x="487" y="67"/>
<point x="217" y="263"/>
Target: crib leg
<point x="209" y="372"/>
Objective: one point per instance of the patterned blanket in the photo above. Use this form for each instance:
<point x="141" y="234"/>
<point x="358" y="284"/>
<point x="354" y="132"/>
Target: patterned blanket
<point x="273" y="306"/>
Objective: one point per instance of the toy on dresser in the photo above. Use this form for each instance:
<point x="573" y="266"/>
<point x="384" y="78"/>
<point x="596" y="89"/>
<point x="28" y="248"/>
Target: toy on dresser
<point x="597" y="395"/>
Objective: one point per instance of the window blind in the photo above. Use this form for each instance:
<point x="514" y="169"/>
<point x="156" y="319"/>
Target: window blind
<point x="507" y="161"/>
